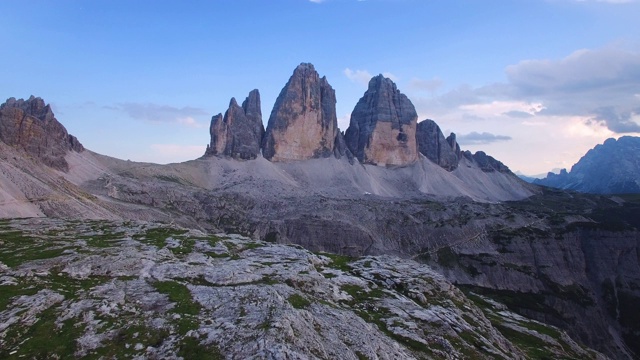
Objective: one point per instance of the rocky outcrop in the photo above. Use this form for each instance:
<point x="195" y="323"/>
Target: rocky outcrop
<point x="433" y="145"/>
<point x="453" y="143"/>
<point x="239" y="133"/>
<point x="610" y="168"/>
<point x="485" y="162"/>
<point x="382" y="130"/>
<point x="303" y="123"/>
<point x="31" y="126"/>
<point x="146" y="290"/>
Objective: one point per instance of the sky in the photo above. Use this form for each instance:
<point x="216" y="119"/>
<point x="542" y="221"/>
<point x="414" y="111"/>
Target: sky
<point x="534" y="83"/>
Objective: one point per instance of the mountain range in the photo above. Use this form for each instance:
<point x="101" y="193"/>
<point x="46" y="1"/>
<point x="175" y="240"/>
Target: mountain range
<point x="610" y="168"/>
<point x="390" y="192"/>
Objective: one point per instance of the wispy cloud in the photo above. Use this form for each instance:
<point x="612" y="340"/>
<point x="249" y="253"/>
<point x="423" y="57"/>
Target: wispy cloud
<point x="358" y="76"/>
<point x="162" y="113"/>
<point x="475" y="138"/>
<point x="429" y="85"/>
<point x="600" y="85"/>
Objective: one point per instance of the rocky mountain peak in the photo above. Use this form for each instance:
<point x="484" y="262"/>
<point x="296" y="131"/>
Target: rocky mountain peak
<point x="433" y="145"/>
<point x="382" y="130"/>
<point x="303" y="122"/>
<point x="451" y="139"/>
<point x="239" y="133"/>
<point x="486" y="162"/>
<point x="31" y="126"/>
<point x="610" y="168"/>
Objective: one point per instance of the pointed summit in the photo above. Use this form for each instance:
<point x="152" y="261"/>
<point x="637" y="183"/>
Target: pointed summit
<point x="382" y="130"/>
<point x="238" y="134"/>
<point x="30" y="125"/>
<point x="433" y="145"/>
<point x="303" y="123"/>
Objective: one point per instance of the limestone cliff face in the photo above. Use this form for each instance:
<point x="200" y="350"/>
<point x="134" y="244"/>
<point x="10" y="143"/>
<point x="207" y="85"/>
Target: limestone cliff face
<point x="382" y="130"/>
<point x="31" y="126"/>
<point x="239" y="133"/>
<point x="303" y="122"/>
<point x="433" y="145"/>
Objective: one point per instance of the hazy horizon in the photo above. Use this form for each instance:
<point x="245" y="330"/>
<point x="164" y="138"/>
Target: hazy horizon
<point x="535" y="84"/>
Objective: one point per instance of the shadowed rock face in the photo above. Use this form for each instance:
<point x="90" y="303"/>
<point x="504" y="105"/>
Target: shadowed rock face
<point x="382" y="130"/>
<point x="30" y="125"/>
<point x="486" y="162"/>
<point x="610" y="168"/>
<point x="239" y="133"/>
<point x="303" y="123"/>
<point x="433" y="145"/>
<point x="451" y="139"/>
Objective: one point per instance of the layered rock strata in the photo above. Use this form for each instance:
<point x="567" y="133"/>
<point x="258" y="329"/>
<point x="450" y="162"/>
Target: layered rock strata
<point x="31" y="126"/>
<point x="303" y="123"/>
<point x="382" y="130"/>
<point x="239" y="133"/>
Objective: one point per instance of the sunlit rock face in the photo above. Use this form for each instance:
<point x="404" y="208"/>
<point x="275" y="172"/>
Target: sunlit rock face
<point x="303" y="123"/>
<point x="382" y="130"/>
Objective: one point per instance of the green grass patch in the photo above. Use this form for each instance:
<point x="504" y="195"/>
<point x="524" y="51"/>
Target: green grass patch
<point x="340" y="262"/>
<point x="298" y="301"/>
<point x="191" y="348"/>
<point x="43" y="340"/>
<point x="180" y="295"/>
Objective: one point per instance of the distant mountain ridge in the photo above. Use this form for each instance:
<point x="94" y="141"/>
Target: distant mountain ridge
<point x="609" y="168"/>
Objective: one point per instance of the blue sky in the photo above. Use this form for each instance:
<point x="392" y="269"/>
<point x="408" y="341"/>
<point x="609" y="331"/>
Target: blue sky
<point x="535" y="83"/>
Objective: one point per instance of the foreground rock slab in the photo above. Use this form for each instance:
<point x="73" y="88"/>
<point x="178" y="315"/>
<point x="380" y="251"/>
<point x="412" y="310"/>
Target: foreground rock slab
<point x="145" y="290"/>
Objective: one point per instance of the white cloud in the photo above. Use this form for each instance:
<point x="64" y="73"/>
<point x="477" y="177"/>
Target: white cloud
<point x="161" y="113"/>
<point x="476" y="138"/>
<point x="191" y="122"/>
<point x="390" y="76"/>
<point x="343" y="122"/>
<point x="358" y="76"/>
<point x="430" y="85"/>
<point x="317" y="1"/>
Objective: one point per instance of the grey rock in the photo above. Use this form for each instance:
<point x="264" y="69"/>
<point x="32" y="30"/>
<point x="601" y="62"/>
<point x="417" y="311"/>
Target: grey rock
<point x="239" y="133"/>
<point x="382" y="129"/>
<point x="453" y="143"/>
<point x="610" y="168"/>
<point x="130" y="290"/>
<point x="31" y="126"/>
<point x="433" y="145"/>
<point x="486" y="163"/>
<point x="303" y="123"/>
<point x="341" y="148"/>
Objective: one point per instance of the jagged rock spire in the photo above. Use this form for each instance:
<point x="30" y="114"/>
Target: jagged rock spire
<point x="303" y="122"/>
<point x="239" y="133"/>
<point x="382" y="129"/>
<point x="433" y="145"/>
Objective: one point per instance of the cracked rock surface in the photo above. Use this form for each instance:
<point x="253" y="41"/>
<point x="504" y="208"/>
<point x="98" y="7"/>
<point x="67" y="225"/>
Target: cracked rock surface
<point x="114" y="289"/>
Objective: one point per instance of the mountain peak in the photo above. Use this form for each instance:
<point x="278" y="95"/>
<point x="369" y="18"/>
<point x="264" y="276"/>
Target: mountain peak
<point x="303" y="123"/>
<point x="382" y="130"/>
<point x="609" y="168"/>
<point x="31" y="126"/>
